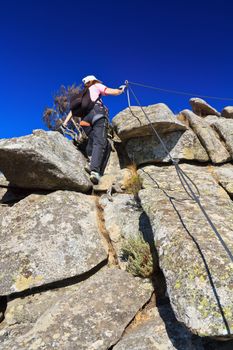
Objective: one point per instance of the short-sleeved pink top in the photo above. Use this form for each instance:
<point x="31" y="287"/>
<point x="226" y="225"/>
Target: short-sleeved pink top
<point x="96" y="90"/>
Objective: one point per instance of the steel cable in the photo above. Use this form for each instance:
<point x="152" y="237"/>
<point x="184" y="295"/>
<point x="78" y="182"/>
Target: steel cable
<point x="183" y="177"/>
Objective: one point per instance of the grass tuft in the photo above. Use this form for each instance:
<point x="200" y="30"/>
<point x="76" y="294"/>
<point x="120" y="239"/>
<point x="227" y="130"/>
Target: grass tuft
<point x="138" y="256"/>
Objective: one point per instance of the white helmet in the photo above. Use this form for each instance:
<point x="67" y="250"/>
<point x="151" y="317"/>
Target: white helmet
<point x="89" y="78"/>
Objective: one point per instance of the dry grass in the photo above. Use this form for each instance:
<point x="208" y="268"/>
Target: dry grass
<point x="132" y="183"/>
<point x="138" y="255"/>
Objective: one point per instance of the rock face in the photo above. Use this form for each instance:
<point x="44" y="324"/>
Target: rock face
<point x="227" y="112"/>
<point x="48" y="238"/>
<point x="208" y="137"/>
<point x="181" y="145"/>
<point x="159" y="331"/>
<point x="57" y="290"/>
<point x="44" y="160"/>
<point x="128" y="125"/>
<point x="224" y="128"/>
<point x="96" y="314"/>
<point x="197" y="268"/>
<point x="202" y="108"/>
<point x="224" y="176"/>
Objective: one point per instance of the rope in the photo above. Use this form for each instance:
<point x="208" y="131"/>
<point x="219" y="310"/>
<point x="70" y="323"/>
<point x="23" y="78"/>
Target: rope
<point x="181" y="92"/>
<point x="183" y="177"/>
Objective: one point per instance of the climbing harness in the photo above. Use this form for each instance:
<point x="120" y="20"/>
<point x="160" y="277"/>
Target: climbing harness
<point x="186" y="182"/>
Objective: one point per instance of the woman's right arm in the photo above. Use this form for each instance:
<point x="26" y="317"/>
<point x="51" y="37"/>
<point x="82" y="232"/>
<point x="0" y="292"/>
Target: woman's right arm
<point x="113" y="92"/>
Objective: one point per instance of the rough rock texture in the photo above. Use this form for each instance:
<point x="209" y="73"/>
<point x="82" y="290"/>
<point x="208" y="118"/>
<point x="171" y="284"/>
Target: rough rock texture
<point x="128" y="125"/>
<point x="160" y="332"/>
<point x="197" y="268"/>
<point x="124" y="218"/>
<point x="22" y="313"/>
<point x="208" y="137"/>
<point x="202" y="108"/>
<point x="48" y="238"/>
<point x="3" y="180"/>
<point x="181" y="145"/>
<point x="224" y="127"/>
<point x="227" y="112"/>
<point x="224" y="176"/>
<point x="43" y="160"/>
<point x="90" y="316"/>
<point x="211" y="119"/>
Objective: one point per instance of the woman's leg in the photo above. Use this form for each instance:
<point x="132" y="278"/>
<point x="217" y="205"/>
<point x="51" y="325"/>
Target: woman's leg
<point x="106" y="156"/>
<point x="99" y="144"/>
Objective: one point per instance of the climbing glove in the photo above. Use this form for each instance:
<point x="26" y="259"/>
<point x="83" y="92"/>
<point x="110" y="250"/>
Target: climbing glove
<point x="122" y="87"/>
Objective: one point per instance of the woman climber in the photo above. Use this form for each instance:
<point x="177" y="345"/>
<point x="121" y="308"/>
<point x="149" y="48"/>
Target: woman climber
<point x="94" y="120"/>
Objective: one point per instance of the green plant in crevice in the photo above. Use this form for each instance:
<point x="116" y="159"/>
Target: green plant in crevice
<point x="138" y="255"/>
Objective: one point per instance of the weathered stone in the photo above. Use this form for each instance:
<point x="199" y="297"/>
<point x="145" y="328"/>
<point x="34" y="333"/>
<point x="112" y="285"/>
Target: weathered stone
<point x="224" y="176"/>
<point x="181" y="145"/>
<point x="43" y="160"/>
<point x="124" y="218"/>
<point x="227" y="112"/>
<point x="48" y="238"/>
<point x="92" y="315"/>
<point x="208" y="138"/>
<point x="197" y="267"/>
<point x="22" y="313"/>
<point x="3" y="181"/>
<point x="128" y="125"/>
<point x="160" y="332"/>
<point x="202" y="108"/>
<point x="211" y="119"/>
<point x="224" y="127"/>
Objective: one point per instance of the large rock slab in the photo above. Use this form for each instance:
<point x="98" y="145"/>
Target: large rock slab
<point x="224" y="128"/>
<point x="224" y="176"/>
<point x="92" y="315"/>
<point x="128" y="125"/>
<point x="208" y="138"/>
<point x="48" y="238"/>
<point x="43" y="160"/>
<point x="227" y="112"/>
<point x="202" y="108"/>
<point x="197" y="268"/>
<point x="181" y="145"/>
<point x="160" y="331"/>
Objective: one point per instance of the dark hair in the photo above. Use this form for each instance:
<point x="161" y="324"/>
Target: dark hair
<point x="92" y="82"/>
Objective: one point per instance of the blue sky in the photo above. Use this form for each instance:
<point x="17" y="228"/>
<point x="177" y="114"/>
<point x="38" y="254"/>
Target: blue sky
<point x="180" y="45"/>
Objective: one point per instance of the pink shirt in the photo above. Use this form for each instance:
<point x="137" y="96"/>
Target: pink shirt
<point x="96" y="90"/>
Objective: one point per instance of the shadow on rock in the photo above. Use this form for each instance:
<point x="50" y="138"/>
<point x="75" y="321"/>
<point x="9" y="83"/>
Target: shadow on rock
<point x="158" y="279"/>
